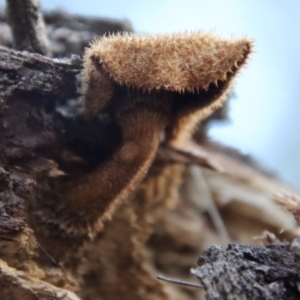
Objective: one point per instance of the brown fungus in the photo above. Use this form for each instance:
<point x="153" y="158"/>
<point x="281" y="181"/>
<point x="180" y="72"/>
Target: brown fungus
<point x="149" y="85"/>
<point x="176" y="62"/>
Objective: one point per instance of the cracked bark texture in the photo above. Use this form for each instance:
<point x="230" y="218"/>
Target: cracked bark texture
<point x="250" y="272"/>
<point x="45" y="145"/>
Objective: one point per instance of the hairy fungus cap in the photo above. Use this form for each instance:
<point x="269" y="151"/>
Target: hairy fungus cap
<point x="186" y="62"/>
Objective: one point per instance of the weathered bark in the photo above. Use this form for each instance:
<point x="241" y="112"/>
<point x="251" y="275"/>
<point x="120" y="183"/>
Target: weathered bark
<point x="25" y="72"/>
<point x="250" y="272"/>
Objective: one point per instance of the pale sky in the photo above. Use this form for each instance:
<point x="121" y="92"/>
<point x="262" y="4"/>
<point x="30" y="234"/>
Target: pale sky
<point x="264" y="116"/>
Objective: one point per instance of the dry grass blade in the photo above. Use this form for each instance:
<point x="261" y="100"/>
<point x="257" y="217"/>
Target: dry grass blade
<point x="178" y="281"/>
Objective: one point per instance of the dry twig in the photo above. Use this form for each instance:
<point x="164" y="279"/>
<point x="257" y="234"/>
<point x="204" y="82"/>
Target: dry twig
<point x="28" y="28"/>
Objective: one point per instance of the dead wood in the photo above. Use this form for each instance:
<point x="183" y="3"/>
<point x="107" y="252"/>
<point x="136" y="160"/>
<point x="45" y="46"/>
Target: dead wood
<point x="250" y="272"/>
<point x="26" y="21"/>
<point x="23" y="72"/>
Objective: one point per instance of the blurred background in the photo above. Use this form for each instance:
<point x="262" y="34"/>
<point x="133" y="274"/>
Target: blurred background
<point x="264" y="115"/>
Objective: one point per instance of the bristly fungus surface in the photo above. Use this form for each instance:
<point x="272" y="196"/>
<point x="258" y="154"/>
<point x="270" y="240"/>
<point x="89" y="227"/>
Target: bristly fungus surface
<point x="151" y="86"/>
